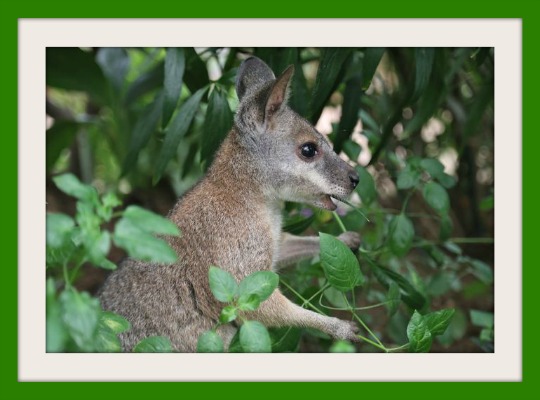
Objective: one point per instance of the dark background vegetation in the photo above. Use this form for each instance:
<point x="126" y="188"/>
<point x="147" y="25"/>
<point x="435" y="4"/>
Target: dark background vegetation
<point x="118" y="120"/>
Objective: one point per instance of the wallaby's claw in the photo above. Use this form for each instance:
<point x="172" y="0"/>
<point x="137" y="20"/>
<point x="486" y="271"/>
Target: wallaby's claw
<point x="346" y="330"/>
<point x="351" y="239"/>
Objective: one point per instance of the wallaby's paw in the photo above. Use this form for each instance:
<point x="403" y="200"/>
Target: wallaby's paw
<point x="351" y="239"/>
<point x="346" y="330"/>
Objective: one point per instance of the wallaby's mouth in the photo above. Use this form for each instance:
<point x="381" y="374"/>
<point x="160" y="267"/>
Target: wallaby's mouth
<point x="328" y="202"/>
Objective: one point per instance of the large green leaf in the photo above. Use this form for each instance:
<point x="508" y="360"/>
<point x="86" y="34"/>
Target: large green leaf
<point x="285" y="340"/>
<point x="339" y="263"/>
<point x="298" y="224"/>
<point x="438" y="321"/>
<point x="145" y="83"/>
<point x="210" y="342"/>
<point x="196" y="73"/>
<point x="70" y="184"/>
<point x="80" y="313"/>
<point x="56" y="333"/>
<point x="106" y="340"/>
<point x="401" y="231"/>
<point x="437" y="197"/>
<point x="142" y="245"/>
<point x="254" y="338"/>
<point x="71" y="68"/>
<point x="114" y="62"/>
<point x="58" y="229"/>
<point x="260" y="283"/>
<point x="145" y="126"/>
<point x="482" y="318"/>
<point x="154" y="344"/>
<point x="408" y="177"/>
<point x="150" y="222"/>
<point x="385" y="276"/>
<point x="217" y="123"/>
<point x="175" y="63"/>
<point x="424" y="64"/>
<point x="420" y="338"/>
<point x="176" y="130"/>
<point x="222" y="284"/>
<point x="327" y="80"/>
<point x="372" y="58"/>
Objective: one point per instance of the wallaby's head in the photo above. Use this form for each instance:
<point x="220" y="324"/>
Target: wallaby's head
<point x="293" y="161"/>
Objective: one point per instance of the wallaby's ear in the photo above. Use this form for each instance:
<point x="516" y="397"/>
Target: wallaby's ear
<point x="279" y="93"/>
<point x="252" y="73"/>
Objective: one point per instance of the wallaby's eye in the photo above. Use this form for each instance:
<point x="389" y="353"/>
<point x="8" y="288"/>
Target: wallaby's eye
<point x="308" y="150"/>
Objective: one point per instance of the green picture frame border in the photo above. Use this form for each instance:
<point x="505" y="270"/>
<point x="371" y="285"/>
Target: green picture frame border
<point x="241" y="9"/>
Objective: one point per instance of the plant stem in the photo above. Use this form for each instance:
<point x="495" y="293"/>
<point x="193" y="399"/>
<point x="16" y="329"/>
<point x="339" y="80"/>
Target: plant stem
<point x="398" y="348"/>
<point x="363" y="323"/>
<point x="66" y="276"/>
<point x="306" y="302"/>
<point x="339" y="221"/>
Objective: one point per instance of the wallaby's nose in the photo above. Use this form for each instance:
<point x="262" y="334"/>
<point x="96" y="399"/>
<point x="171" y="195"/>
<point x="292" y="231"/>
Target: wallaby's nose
<point x="353" y="176"/>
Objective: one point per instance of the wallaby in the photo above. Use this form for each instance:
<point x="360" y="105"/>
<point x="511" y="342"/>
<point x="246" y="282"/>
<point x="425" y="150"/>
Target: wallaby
<point x="232" y="219"/>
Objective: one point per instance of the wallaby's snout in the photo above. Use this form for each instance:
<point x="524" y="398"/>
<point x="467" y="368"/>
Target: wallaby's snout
<point x="353" y="177"/>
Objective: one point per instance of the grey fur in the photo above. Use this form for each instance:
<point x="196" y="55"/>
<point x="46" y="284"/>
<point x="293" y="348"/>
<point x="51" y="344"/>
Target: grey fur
<point x="232" y="219"/>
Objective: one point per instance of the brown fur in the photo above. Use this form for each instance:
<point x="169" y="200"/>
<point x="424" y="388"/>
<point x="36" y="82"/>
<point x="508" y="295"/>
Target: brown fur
<point x="232" y="219"/>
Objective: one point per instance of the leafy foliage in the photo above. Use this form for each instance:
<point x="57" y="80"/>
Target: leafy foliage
<point x="417" y="124"/>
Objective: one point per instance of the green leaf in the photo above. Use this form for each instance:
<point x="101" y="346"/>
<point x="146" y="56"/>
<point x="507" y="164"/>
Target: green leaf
<point x="352" y="149"/>
<point x="106" y="340"/>
<point x="249" y="303"/>
<point x="401" y="232"/>
<point x="482" y="271"/>
<point x="486" y="204"/>
<point x="59" y="137"/>
<point x="418" y="333"/>
<point x="335" y="297"/>
<point x="196" y="73"/>
<point x="385" y="276"/>
<point x="59" y="229"/>
<point x="80" y="314"/>
<point x="116" y="323"/>
<point x="56" y="333"/>
<point x="339" y="264"/>
<point x="342" y="346"/>
<point x="210" y="342"/>
<point x="432" y="166"/>
<point x="437" y="197"/>
<point x="114" y="63"/>
<point x="228" y="314"/>
<point x="141" y="245"/>
<point x="222" y="284"/>
<point x="327" y="80"/>
<point x="372" y="58"/>
<point x="438" y="321"/>
<point x="176" y="130"/>
<point x="235" y="346"/>
<point x="145" y="126"/>
<point x="298" y="224"/>
<point x="486" y="335"/>
<point x="145" y="83"/>
<point x="260" y="283"/>
<point x="70" y="184"/>
<point x="393" y="297"/>
<point x="154" y="344"/>
<point x="175" y="63"/>
<point x="71" y="68"/>
<point x="149" y="221"/>
<point x="482" y="318"/>
<point x="408" y="177"/>
<point x="285" y="340"/>
<point x="254" y="338"/>
<point x="217" y="123"/>
<point x="98" y="248"/>
<point x="366" y="186"/>
<point x="424" y="63"/>
<point x="448" y="181"/>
